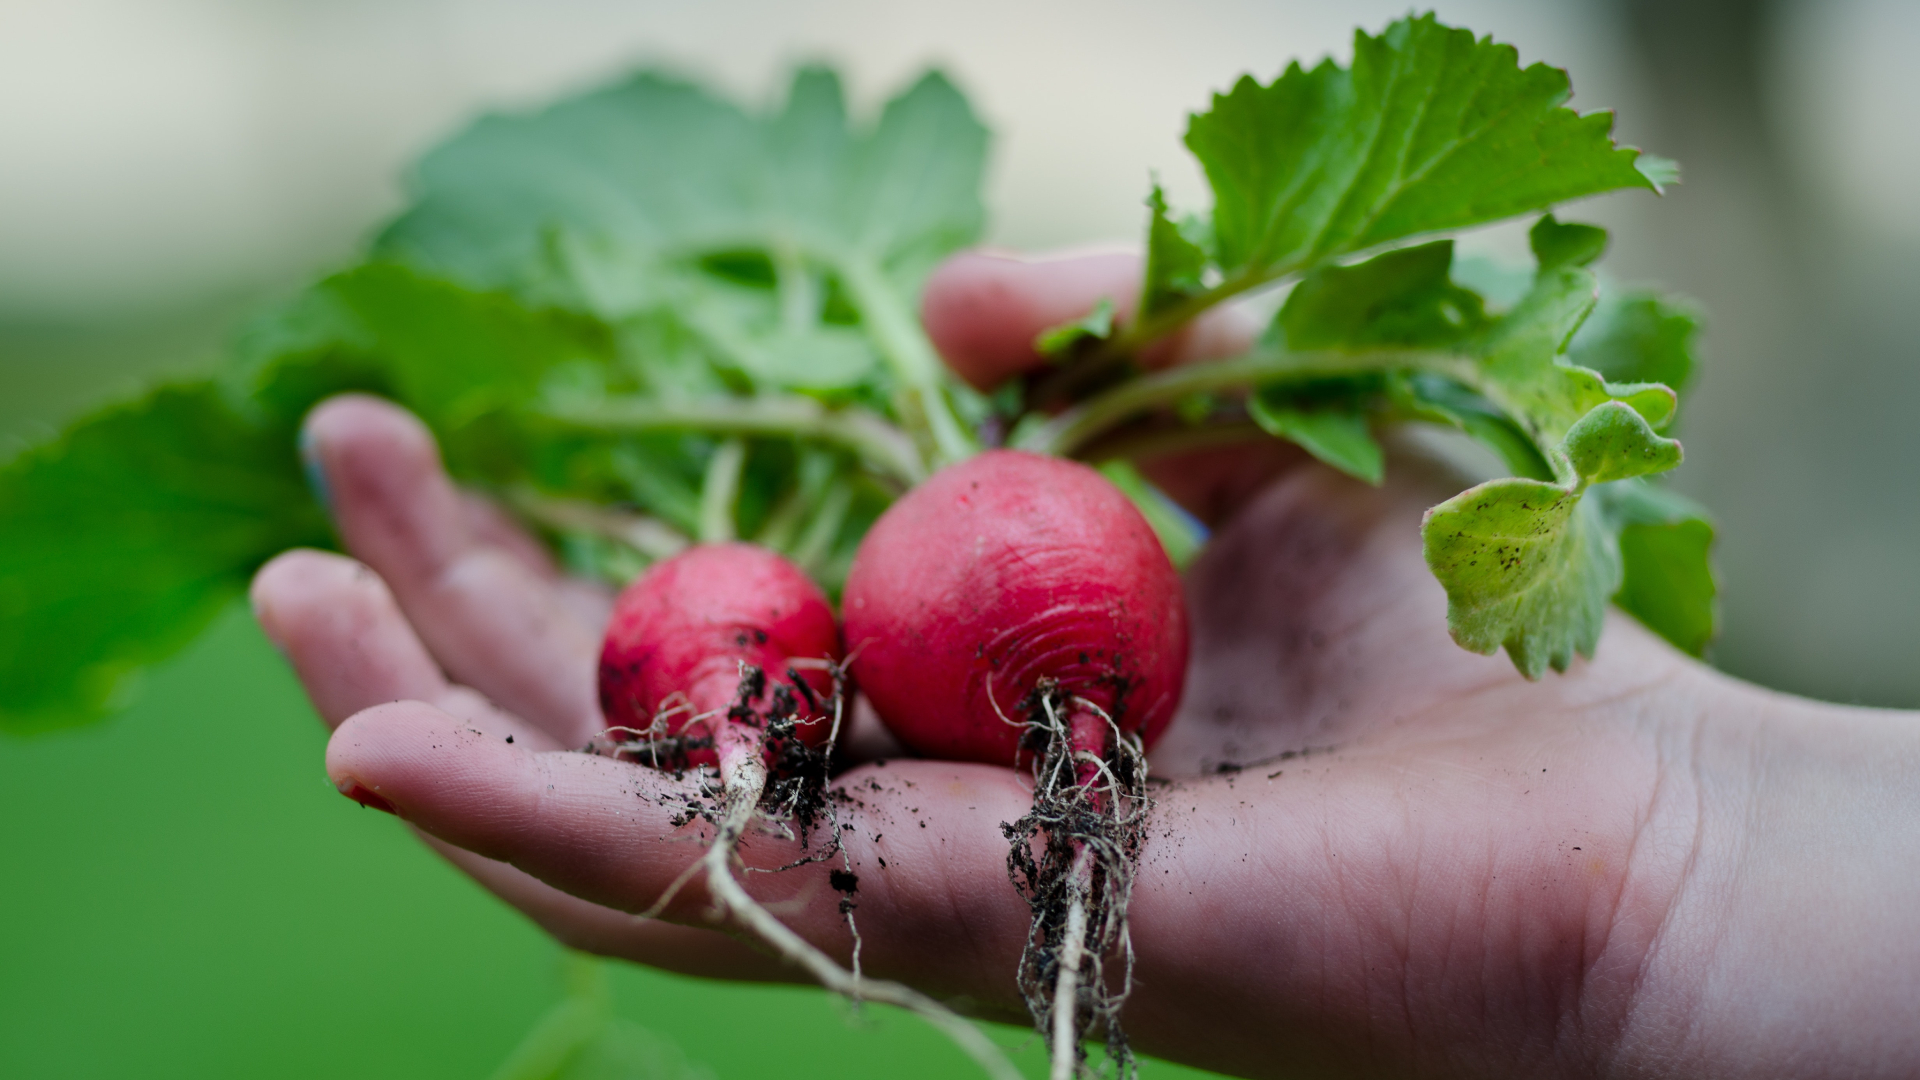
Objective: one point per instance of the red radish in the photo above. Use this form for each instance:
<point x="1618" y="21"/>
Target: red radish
<point x="1002" y="572"/>
<point x="693" y="663"/>
<point x="680" y="634"/>
<point x="1018" y="609"/>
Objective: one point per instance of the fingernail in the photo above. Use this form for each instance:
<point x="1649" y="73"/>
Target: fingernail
<point x="316" y="472"/>
<point x="366" y="796"/>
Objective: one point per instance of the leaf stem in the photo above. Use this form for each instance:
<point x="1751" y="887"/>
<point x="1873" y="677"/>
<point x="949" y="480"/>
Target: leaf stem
<point x="897" y="333"/>
<point x="720" y="491"/>
<point x="816" y="543"/>
<point x="1073" y="429"/>
<point x="1144" y="332"/>
<point x="881" y="445"/>
<point x="651" y="537"/>
<point x="798" y="291"/>
<point x="816" y="472"/>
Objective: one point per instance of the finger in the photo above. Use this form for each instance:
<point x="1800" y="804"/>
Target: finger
<point x="492" y="621"/>
<point x="488" y="526"/>
<point x="938" y="911"/>
<point x="603" y="931"/>
<point x="589" y="602"/>
<point x="983" y="311"/>
<point x="338" y="625"/>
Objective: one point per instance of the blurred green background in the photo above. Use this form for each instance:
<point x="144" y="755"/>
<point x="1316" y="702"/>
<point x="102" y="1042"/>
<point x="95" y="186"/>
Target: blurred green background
<point x="185" y="896"/>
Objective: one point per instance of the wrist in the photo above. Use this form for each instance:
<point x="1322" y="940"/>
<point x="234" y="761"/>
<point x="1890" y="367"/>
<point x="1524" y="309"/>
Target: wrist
<point x="1792" y="945"/>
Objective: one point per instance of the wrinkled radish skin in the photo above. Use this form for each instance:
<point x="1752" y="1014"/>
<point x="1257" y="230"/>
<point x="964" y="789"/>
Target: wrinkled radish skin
<point x="686" y="626"/>
<point x="1000" y="572"/>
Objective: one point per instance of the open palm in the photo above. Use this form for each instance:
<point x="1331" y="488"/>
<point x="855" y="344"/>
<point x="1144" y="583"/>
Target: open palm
<point x="1372" y="853"/>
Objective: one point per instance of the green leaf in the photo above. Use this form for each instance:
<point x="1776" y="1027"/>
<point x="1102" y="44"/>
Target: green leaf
<point x="1521" y="365"/>
<point x="1334" y="433"/>
<point x="655" y="173"/>
<point x="1438" y="399"/>
<point x="911" y="190"/>
<point x="1526" y="565"/>
<point x="1530" y="565"/>
<point x="447" y="352"/>
<point x="1556" y="244"/>
<point x="1524" y="395"/>
<point x="1666" y="544"/>
<point x="652" y="199"/>
<point x="1057" y="342"/>
<point x="1429" y="130"/>
<point x="120" y="541"/>
<point x="1402" y="298"/>
<point x="1176" y="260"/>
<point x="1639" y="336"/>
<point x="1615" y="442"/>
<point x="815" y="359"/>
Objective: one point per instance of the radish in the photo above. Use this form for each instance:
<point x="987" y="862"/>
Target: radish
<point x="680" y="638"/>
<point x="1017" y="609"/>
<point x="685" y="681"/>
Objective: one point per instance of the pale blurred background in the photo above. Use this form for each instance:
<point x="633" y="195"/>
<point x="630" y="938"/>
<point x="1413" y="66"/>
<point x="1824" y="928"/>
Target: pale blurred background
<point x="164" y="164"/>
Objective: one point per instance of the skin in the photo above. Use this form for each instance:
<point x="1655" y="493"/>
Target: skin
<point x="1640" y="868"/>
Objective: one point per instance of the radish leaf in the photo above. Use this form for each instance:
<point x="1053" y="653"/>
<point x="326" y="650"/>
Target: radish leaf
<point x="1402" y="298"/>
<point x="1528" y="564"/>
<point x="1337" y="436"/>
<point x="1430" y="129"/>
<point x="1668" y="581"/>
<point x="126" y="537"/>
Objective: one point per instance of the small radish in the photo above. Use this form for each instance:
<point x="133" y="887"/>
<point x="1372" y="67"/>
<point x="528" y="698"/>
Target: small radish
<point x="726" y="655"/>
<point x="1017" y="609"/>
<point x="672" y="665"/>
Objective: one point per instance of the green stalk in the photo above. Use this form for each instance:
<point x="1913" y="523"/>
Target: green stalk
<point x="790" y="515"/>
<point x="720" y="491"/>
<point x="897" y="333"/>
<point x="798" y="291"/>
<point x="1144" y="332"/>
<point x="816" y="543"/>
<point x="882" y="446"/>
<point x="1075" y="428"/>
<point x="649" y="536"/>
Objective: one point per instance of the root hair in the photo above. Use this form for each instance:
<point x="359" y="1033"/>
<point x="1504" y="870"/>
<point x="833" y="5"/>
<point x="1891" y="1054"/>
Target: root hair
<point x="781" y="781"/>
<point x="1072" y="858"/>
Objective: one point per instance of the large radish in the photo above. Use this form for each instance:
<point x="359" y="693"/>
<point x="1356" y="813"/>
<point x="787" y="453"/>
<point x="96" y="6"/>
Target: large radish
<point x="1017" y="609"/>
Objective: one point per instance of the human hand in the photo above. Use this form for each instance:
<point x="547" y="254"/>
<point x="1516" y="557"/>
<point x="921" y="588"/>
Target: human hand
<point x="1455" y="872"/>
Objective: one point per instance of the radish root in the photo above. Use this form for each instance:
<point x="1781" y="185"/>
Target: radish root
<point x="1072" y="858"/>
<point x="749" y="790"/>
